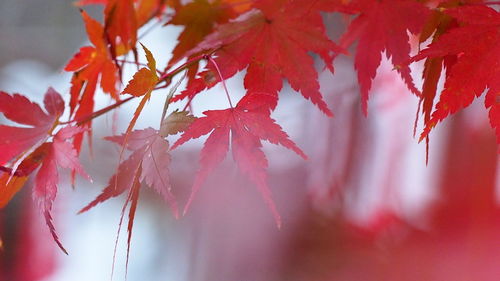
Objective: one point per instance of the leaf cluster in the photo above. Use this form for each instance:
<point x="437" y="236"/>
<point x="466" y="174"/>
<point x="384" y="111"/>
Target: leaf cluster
<point x="271" y="40"/>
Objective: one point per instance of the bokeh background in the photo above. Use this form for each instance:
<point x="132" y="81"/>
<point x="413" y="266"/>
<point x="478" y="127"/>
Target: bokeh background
<point x="363" y="207"/>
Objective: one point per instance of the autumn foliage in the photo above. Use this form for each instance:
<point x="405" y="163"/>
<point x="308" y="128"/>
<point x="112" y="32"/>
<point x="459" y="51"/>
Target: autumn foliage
<point x="271" y="41"/>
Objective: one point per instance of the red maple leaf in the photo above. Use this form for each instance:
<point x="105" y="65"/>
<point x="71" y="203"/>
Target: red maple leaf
<point x="149" y="163"/>
<point x="26" y="148"/>
<point x="21" y="147"/>
<point x="11" y="182"/>
<point x="248" y="123"/>
<point x="273" y="41"/>
<point x="120" y="26"/>
<point x="144" y="9"/>
<point x="437" y="24"/>
<point x="144" y="79"/>
<point x="476" y="46"/>
<point x="142" y="84"/>
<point x="90" y="64"/>
<point x="383" y="25"/>
<point x="123" y="18"/>
<point x="16" y="141"/>
<point x="59" y="153"/>
<point x="199" y="19"/>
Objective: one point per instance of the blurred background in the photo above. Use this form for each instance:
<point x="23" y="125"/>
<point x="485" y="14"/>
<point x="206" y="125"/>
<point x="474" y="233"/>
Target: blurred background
<point x="363" y="207"/>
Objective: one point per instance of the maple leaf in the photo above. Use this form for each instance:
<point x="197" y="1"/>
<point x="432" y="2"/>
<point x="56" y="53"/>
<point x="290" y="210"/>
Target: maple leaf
<point x="16" y="143"/>
<point x="248" y="123"/>
<point x="176" y="122"/>
<point x="18" y="140"/>
<point x="199" y="18"/>
<point x="144" y="79"/>
<point x="383" y="25"/>
<point x="437" y="24"/>
<point x="90" y="62"/>
<point x="88" y="65"/>
<point x="272" y="42"/>
<point x="59" y="153"/>
<point x="11" y="182"/>
<point x="142" y="84"/>
<point x="120" y="26"/>
<point x="145" y="10"/>
<point x="148" y="162"/>
<point x="476" y="46"/>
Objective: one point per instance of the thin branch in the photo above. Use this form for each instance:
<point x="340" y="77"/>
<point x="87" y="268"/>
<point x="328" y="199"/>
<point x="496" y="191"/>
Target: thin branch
<point x="165" y="77"/>
<point x="98" y="113"/>
<point x="185" y="65"/>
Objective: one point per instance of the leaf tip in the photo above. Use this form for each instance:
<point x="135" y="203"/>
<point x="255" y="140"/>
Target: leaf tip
<point x="48" y="221"/>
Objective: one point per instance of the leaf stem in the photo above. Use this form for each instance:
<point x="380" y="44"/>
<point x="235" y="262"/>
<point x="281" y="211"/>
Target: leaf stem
<point x="132" y="62"/>
<point x="185" y="65"/>
<point x="136" y="63"/>
<point x="188" y="103"/>
<point x="221" y="78"/>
